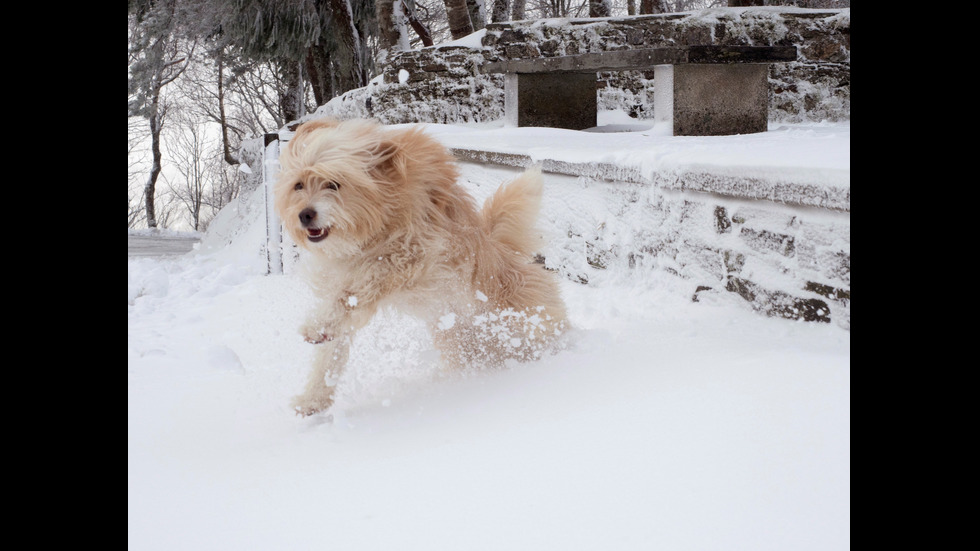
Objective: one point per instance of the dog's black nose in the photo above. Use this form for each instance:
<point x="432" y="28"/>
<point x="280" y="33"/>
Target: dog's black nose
<point x="306" y="216"/>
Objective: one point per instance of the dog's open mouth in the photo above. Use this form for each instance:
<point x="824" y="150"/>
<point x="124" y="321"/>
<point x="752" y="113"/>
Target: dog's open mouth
<point x="317" y="234"/>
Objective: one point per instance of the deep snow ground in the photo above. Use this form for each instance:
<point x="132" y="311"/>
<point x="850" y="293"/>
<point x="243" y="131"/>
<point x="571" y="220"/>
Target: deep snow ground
<point x="666" y="424"/>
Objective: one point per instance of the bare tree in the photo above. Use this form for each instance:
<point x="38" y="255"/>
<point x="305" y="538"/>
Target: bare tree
<point x="395" y="17"/>
<point x="137" y="156"/>
<point x="200" y="183"/>
<point x="189" y="148"/>
<point x="251" y="99"/>
<point x="225" y="186"/>
<point x="168" y="211"/>
<point x="205" y="91"/>
<point x="156" y="58"/>
<point x="420" y="28"/>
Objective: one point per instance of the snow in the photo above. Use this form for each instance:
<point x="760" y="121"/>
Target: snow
<point x="447" y="321"/>
<point x="664" y="424"/>
<point x="813" y="153"/>
<point x="472" y="40"/>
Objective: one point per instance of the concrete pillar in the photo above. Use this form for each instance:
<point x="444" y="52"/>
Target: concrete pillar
<point x="712" y="99"/>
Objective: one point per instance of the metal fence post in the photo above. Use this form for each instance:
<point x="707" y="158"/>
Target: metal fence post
<point x="273" y="233"/>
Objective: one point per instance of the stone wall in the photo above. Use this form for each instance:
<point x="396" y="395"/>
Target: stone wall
<point x="788" y="258"/>
<point x="443" y="84"/>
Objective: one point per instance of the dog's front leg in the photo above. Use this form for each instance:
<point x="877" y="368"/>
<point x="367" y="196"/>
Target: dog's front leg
<point x="337" y="327"/>
<point x="329" y="361"/>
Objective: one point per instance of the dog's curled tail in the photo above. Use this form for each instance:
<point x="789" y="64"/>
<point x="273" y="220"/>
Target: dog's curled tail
<point x="509" y="216"/>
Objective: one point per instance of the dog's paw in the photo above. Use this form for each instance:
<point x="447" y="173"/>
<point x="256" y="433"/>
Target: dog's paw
<point x="316" y="334"/>
<point x="306" y="405"/>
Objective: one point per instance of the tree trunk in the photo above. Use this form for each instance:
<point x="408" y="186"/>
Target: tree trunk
<point x="149" y="190"/>
<point x="392" y="34"/>
<point x="599" y="8"/>
<point x="318" y="73"/>
<point x="745" y="3"/>
<point x="499" y="11"/>
<point x="477" y="14"/>
<point x="459" y="18"/>
<point x="348" y="59"/>
<point x="420" y="29"/>
<point x="222" y="118"/>
<point x="290" y="91"/>
<point x="653" y="6"/>
<point x="517" y="12"/>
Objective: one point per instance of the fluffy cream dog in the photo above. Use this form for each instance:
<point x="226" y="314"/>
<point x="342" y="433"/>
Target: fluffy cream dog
<point x="386" y="224"/>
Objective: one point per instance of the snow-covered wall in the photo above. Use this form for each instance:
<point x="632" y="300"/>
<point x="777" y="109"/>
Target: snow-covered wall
<point x="786" y="257"/>
<point x="444" y="84"/>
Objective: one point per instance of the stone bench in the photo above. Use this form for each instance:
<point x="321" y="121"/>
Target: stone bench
<point x="698" y="90"/>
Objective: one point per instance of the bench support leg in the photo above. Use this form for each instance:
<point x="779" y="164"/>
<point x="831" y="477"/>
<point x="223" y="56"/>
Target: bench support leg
<point x="712" y="100"/>
<point x="556" y="100"/>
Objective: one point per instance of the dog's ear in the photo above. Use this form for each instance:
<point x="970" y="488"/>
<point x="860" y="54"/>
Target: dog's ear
<point x="385" y="151"/>
<point x="311" y="126"/>
<point x="385" y="155"/>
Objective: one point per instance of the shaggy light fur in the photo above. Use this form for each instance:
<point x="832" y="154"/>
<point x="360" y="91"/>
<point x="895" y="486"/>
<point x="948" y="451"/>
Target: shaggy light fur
<point x="386" y="224"/>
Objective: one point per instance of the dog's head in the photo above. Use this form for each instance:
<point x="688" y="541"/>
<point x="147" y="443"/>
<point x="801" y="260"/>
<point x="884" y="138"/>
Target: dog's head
<point x="335" y="189"/>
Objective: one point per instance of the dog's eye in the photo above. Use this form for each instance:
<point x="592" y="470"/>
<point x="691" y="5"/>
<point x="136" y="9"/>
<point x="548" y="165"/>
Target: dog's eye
<point x="298" y="186"/>
<point x="333" y="185"/>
